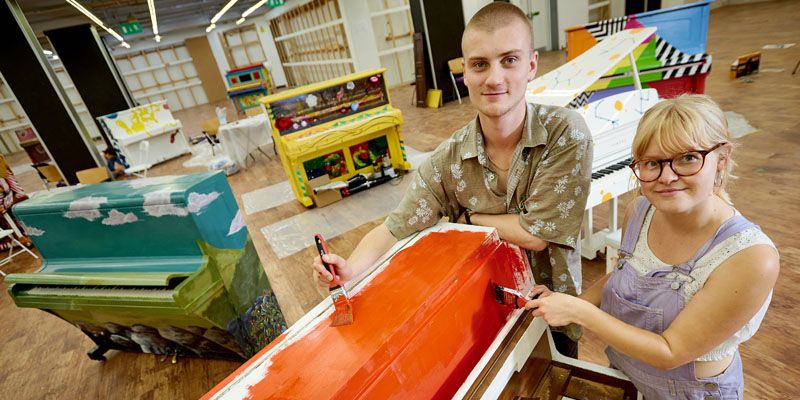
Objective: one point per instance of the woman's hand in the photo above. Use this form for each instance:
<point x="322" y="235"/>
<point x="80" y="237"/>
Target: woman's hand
<point x="538" y="291"/>
<point x="324" y="277"/>
<point x="557" y="309"/>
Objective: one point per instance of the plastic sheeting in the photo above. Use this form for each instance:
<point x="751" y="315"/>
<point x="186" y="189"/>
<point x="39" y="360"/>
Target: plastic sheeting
<point x="296" y="233"/>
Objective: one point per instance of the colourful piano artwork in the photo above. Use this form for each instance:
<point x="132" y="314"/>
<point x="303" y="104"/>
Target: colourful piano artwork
<point x="426" y="326"/>
<point x="247" y="84"/>
<point x="612" y="121"/>
<point x="673" y="62"/>
<point x="159" y="265"/>
<point x="340" y="128"/>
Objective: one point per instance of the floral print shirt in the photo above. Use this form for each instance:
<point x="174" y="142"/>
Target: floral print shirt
<point x="548" y="183"/>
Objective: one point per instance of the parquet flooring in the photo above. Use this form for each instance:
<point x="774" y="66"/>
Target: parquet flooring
<point x="44" y="357"/>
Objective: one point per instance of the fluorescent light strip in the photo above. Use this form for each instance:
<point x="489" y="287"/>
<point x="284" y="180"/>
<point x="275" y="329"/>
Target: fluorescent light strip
<point x="239" y="21"/>
<point x="153" y="20"/>
<point x="95" y="20"/>
<point x="223" y="11"/>
<point x="253" y="8"/>
<point x="211" y="27"/>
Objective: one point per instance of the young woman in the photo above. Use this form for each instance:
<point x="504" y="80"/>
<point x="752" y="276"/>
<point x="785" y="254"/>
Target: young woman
<point x="694" y="278"/>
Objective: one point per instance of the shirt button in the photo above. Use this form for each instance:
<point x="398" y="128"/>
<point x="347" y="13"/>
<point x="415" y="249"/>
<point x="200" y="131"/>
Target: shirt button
<point x="711" y="386"/>
<point x="675" y="285"/>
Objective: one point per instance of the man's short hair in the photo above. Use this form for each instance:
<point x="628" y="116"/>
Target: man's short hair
<point x="496" y="15"/>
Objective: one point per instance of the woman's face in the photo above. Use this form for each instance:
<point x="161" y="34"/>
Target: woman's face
<point x="673" y="193"/>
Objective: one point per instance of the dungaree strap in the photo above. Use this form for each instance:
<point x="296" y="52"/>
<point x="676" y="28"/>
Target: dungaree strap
<point x="634" y="226"/>
<point x="730" y="227"/>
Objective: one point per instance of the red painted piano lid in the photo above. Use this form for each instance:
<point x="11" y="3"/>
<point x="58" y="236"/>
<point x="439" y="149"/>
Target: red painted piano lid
<point x="421" y="324"/>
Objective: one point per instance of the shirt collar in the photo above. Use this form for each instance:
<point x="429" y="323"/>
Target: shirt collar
<point x="534" y="134"/>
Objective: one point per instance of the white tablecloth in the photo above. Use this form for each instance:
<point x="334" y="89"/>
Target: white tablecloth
<point x="240" y="138"/>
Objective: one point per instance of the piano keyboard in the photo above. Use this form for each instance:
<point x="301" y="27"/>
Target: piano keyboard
<point x="155" y="293"/>
<point x="610" y="182"/>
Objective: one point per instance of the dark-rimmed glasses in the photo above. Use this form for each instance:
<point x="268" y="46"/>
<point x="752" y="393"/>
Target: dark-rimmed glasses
<point x="684" y="164"/>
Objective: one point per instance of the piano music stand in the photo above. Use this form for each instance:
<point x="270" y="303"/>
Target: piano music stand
<point x="11" y="253"/>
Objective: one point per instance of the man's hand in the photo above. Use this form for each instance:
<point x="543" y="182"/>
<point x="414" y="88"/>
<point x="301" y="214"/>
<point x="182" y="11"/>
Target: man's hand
<point x="324" y="277"/>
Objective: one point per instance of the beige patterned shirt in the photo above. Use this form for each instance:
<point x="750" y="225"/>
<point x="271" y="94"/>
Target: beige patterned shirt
<point x="548" y="182"/>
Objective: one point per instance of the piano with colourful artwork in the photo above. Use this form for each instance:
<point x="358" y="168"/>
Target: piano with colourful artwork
<point x="612" y="121"/>
<point x="338" y="128"/>
<point x="427" y="325"/>
<point x="673" y="62"/>
<point x="160" y="265"/>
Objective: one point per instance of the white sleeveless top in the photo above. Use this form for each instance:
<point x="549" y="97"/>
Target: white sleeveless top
<point x="644" y="261"/>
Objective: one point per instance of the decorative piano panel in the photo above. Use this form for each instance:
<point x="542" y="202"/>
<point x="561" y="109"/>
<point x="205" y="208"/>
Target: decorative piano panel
<point x="161" y="265"/>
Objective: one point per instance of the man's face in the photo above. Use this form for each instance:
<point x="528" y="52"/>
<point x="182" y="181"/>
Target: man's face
<point x="497" y="67"/>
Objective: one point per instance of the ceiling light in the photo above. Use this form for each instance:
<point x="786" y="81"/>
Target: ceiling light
<point x="153" y="20"/>
<point x="253" y="8"/>
<point x="95" y="19"/>
<point x="211" y="27"/>
<point x="223" y="11"/>
<point x="239" y="21"/>
<point x="55" y="57"/>
<point x="158" y="38"/>
<point x="125" y="45"/>
<point x="48" y="52"/>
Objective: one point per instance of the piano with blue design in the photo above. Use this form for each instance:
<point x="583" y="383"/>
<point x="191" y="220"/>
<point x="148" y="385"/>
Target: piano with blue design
<point x="161" y="265"/>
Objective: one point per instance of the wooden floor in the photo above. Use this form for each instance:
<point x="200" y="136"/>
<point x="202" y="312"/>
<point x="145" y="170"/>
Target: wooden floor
<point x="44" y="357"/>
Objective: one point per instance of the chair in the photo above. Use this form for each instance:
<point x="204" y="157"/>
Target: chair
<point x="211" y="126"/>
<point x="11" y="253"/>
<point x="141" y="166"/>
<point x="49" y="174"/>
<point x="456" y="66"/>
<point x="93" y="175"/>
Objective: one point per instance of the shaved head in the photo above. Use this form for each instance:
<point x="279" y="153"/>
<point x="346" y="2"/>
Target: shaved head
<point x="496" y="15"/>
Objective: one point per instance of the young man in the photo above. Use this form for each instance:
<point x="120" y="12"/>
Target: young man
<point x="521" y="168"/>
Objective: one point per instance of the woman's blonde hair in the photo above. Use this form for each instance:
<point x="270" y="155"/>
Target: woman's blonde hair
<point x="684" y="123"/>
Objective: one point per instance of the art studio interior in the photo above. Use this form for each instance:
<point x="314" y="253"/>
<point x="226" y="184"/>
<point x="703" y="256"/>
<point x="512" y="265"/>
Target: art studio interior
<point x="173" y="170"/>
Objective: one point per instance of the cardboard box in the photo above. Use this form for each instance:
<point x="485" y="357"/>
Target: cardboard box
<point x="323" y="197"/>
<point x="745" y="65"/>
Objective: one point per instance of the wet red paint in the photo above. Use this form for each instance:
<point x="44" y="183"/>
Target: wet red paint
<point x="420" y="327"/>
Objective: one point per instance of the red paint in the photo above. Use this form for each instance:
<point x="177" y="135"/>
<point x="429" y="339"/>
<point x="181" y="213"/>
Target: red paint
<point x="420" y="327"/>
<point x="669" y="88"/>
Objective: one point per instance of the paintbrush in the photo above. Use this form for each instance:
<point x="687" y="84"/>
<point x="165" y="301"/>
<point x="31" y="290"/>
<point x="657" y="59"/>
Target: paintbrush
<point x="510" y="297"/>
<point x="343" y="310"/>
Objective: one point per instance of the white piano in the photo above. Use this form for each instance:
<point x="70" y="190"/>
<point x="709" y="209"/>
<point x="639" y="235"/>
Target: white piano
<point x="612" y="122"/>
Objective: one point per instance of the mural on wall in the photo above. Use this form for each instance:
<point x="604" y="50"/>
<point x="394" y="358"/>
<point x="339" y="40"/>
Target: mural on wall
<point x="160" y="265"/>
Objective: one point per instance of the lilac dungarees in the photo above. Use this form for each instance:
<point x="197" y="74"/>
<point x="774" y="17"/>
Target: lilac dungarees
<point x="652" y="302"/>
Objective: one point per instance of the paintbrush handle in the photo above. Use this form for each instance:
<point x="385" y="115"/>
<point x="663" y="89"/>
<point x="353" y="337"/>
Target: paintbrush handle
<point x="322" y="248"/>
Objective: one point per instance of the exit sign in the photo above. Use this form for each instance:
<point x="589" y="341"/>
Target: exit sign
<point x="274" y="3"/>
<point x="130" y="28"/>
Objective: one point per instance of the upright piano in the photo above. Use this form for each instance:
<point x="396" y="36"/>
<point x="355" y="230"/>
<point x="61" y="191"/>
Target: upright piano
<point x="426" y="326"/>
<point x="160" y="265"/>
<point x="339" y="128"/>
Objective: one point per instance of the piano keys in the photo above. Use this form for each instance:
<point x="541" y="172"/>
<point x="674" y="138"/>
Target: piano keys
<point x="160" y="265"/>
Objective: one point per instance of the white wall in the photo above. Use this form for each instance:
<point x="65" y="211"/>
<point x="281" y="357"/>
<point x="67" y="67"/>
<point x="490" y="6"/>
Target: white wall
<point x="470" y="7"/>
<point x="361" y="37"/>
<point x="571" y="13"/>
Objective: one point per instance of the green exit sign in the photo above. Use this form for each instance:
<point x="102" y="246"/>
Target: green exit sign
<point x="130" y="28"/>
<point x="274" y="3"/>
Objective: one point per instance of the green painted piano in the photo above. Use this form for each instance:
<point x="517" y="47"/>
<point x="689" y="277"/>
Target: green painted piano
<point x="160" y="265"/>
